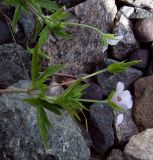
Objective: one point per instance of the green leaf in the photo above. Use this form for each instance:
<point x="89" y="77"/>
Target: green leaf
<point x="68" y="100"/>
<point x="116" y="107"/>
<point x="121" y="66"/>
<point x="35" y="67"/>
<point x="51" y="106"/>
<point x="49" y="72"/>
<point x="43" y="36"/>
<point x="112" y="104"/>
<point x="49" y="5"/>
<point x="43" y="124"/>
<point x="38" y="28"/>
<point x="16" y="17"/>
<point x="62" y="34"/>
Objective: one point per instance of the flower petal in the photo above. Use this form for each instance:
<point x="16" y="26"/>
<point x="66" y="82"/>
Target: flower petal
<point x="115" y="41"/>
<point x="119" y="119"/>
<point x="120" y="86"/>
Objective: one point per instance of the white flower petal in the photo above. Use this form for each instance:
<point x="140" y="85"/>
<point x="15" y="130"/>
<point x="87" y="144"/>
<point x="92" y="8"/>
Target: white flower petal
<point x="119" y="119"/>
<point x="114" y="41"/>
<point x="120" y="86"/>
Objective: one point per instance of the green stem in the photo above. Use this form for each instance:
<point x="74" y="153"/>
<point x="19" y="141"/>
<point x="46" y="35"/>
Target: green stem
<point x="92" y="101"/>
<point x="85" y="26"/>
<point x="94" y="74"/>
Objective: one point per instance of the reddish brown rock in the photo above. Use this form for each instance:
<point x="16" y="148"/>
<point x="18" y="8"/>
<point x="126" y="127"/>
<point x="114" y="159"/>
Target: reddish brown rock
<point x="143" y="102"/>
<point x="144" y="30"/>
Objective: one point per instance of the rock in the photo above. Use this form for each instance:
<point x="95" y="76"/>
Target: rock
<point x="10" y="73"/>
<point x="143" y="102"/>
<point x="69" y="3"/>
<point x="20" y="139"/>
<point x="135" y="13"/>
<point x="28" y="23"/>
<point x="140" y="54"/>
<point x="14" y="53"/>
<point x="100" y="127"/>
<point x="84" y="50"/>
<point x="109" y="81"/>
<point x="115" y="154"/>
<point x="11" y="65"/>
<point x="138" y="3"/>
<point x="123" y="27"/>
<point x="144" y="30"/>
<point x="5" y="34"/>
<point x="93" y="92"/>
<point x="126" y="129"/>
<point x="140" y="146"/>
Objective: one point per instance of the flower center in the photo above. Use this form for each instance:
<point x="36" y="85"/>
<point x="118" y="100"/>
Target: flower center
<point x="119" y="98"/>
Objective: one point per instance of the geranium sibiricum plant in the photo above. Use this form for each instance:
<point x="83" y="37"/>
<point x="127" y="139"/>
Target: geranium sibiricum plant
<point x="70" y="100"/>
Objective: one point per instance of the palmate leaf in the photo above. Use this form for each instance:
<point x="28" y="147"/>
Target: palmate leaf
<point x="43" y="124"/>
<point x="43" y="36"/>
<point x="69" y="99"/>
<point x="12" y="2"/>
<point x="49" y="72"/>
<point x="42" y="118"/>
<point x="35" y="68"/>
<point x="16" y="17"/>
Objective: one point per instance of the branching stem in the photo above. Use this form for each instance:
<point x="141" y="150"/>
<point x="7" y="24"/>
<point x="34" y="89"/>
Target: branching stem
<point x="85" y="26"/>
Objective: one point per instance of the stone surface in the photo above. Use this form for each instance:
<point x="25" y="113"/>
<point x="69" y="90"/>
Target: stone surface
<point x="94" y="91"/>
<point x="84" y="49"/>
<point x="115" y="154"/>
<point x="140" y="54"/>
<point x="12" y="52"/>
<point x="10" y="73"/>
<point x="140" y="146"/>
<point x="135" y="13"/>
<point x="11" y="65"/>
<point x="126" y="129"/>
<point x="139" y="3"/>
<point x="5" y="34"/>
<point x="109" y="81"/>
<point x="28" y="23"/>
<point x="100" y="127"/>
<point x="123" y="27"/>
<point x="20" y="139"/>
<point x="69" y="3"/>
<point x="143" y="102"/>
<point x="144" y="30"/>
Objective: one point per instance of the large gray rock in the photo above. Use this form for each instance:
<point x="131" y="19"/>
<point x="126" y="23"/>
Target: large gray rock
<point x="140" y="146"/>
<point x="69" y="3"/>
<point x="5" y="34"/>
<point x="20" y="137"/>
<point x="123" y="27"/>
<point x="84" y="49"/>
<point x="100" y="127"/>
<point x="109" y="81"/>
<point x="140" y="54"/>
<point x="115" y="154"/>
<point x="12" y="59"/>
<point x="139" y="3"/>
<point x="14" y="53"/>
<point x="126" y="129"/>
<point x="135" y="13"/>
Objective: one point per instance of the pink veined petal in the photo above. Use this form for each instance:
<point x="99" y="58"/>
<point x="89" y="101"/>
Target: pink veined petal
<point x="120" y="86"/>
<point x="119" y="119"/>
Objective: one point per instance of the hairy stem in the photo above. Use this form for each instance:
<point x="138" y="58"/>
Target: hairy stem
<point x="13" y="90"/>
<point x="85" y="26"/>
<point x="92" y="101"/>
